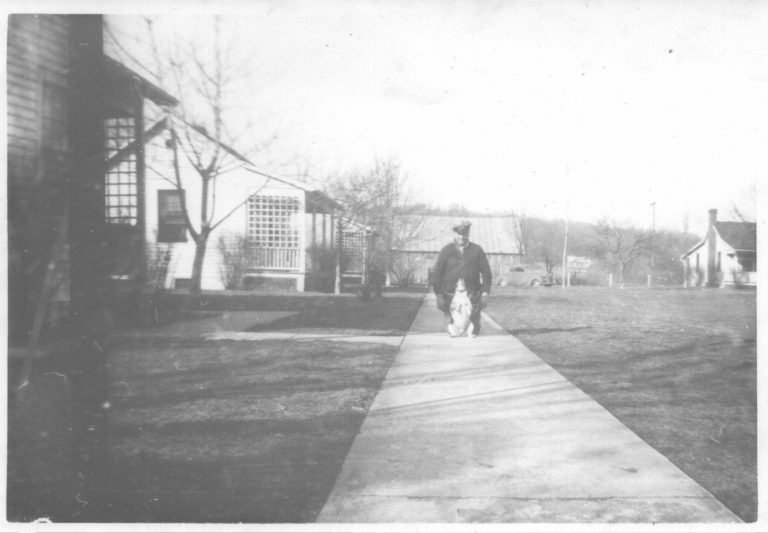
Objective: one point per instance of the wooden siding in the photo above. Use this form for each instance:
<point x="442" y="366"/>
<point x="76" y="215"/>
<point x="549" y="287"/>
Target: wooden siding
<point x="38" y="66"/>
<point x="38" y="53"/>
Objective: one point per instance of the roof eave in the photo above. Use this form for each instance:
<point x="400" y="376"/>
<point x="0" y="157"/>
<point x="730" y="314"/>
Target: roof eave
<point x="693" y="249"/>
<point x="148" y="89"/>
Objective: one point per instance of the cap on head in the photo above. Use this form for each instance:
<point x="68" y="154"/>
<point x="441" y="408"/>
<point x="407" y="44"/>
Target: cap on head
<point x="462" y="228"/>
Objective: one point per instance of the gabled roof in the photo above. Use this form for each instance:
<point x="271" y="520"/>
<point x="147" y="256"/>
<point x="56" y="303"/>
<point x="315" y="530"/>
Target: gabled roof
<point x="315" y="197"/>
<point x="115" y="70"/>
<point x="693" y="248"/>
<point x="494" y="234"/>
<point x="741" y="236"/>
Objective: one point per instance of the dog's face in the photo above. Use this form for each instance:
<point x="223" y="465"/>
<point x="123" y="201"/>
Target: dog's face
<point x="460" y="286"/>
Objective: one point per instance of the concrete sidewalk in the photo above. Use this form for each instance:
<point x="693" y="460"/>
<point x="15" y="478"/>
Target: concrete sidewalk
<point x="482" y="430"/>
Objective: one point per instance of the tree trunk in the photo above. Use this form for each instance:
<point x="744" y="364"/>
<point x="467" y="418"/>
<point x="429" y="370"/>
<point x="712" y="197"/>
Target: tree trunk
<point x="197" y="265"/>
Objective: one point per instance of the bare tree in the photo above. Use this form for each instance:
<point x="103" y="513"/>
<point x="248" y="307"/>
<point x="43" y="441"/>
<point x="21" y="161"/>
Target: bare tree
<point x="744" y="209"/>
<point x="622" y="244"/>
<point x="544" y="240"/>
<point x="740" y="214"/>
<point x="522" y="229"/>
<point x="378" y="197"/>
<point x="205" y="74"/>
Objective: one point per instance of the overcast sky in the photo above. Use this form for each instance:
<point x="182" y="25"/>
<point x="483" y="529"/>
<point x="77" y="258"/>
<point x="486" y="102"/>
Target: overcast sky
<point x="595" y="108"/>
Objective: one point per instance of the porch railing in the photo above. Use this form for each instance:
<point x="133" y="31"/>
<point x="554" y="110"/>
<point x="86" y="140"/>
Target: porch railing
<point x="275" y="258"/>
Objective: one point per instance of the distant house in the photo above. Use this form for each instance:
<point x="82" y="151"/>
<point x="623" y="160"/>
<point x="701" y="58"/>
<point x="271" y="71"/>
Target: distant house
<point x="416" y="254"/>
<point x="727" y="256"/>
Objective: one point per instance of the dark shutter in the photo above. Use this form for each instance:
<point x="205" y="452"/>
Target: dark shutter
<point x="170" y="217"/>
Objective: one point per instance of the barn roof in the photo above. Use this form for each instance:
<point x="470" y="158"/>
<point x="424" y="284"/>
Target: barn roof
<point x="431" y="233"/>
<point x="739" y="235"/>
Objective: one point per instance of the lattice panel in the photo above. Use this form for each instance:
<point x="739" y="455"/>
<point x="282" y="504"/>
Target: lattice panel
<point x="273" y="221"/>
<point x="352" y="245"/>
<point x="120" y="188"/>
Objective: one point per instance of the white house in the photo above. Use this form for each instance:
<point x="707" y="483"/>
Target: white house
<point x="727" y="256"/>
<point x="280" y="230"/>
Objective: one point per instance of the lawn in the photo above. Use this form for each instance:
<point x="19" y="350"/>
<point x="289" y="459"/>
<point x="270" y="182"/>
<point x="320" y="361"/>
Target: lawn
<point x="395" y="311"/>
<point x="219" y="431"/>
<point x="678" y="367"/>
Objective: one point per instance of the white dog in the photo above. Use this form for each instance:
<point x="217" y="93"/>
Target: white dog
<point x="461" y="310"/>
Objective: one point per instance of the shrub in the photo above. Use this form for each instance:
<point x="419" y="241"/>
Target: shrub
<point x="234" y="252"/>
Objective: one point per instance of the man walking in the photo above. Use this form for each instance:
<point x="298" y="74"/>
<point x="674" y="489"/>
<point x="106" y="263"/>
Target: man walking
<point x="462" y="259"/>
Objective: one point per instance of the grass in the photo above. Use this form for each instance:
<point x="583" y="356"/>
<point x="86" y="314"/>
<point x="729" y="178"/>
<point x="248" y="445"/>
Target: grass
<point x="235" y="431"/>
<point x="678" y="367"/>
<point x="395" y="311"/>
<point x="41" y="482"/>
<point x="214" y="431"/>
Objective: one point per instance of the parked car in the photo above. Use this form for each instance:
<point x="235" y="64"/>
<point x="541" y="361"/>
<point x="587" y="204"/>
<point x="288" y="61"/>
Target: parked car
<point x="528" y="276"/>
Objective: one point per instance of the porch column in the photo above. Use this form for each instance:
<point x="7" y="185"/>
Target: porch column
<point x="338" y="241"/>
<point x="141" y="209"/>
<point x="302" y="242"/>
<point x="712" y="280"/>
<point x="87" y="355"/>
<point x="313" y="245"/>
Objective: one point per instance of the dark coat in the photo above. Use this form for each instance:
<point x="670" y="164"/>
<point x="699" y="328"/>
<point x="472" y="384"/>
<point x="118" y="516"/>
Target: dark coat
<point x="452" y="264"/>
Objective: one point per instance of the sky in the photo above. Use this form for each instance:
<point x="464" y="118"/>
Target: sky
<point x="578" y="109"/>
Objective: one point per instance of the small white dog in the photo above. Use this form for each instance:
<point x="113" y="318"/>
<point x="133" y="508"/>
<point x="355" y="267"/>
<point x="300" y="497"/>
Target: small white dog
<point x="461" y="310"/>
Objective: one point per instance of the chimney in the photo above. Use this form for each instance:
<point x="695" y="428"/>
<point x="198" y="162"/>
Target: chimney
<point x="712" y="277"/>
<point x="712" y="216"/>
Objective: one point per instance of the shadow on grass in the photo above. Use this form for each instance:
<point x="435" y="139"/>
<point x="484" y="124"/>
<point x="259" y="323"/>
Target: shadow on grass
<point x="541" y="331"/>
<point x="258" y="471"/>
<point x="239" y="431"/>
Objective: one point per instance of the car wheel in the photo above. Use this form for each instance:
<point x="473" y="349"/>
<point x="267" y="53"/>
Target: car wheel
<point x="535" y="283"/>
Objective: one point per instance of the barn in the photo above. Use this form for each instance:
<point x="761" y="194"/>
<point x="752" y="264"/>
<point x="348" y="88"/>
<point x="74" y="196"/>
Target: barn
<point x="424" y="236"/>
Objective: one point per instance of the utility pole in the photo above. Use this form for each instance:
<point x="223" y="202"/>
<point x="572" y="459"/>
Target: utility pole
<point x="565" y="254"/>
<point x="566" y="281"/>
<point x="653" y="243"/>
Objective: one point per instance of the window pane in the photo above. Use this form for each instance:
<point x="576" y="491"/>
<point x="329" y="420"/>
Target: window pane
<point x="120" y="182"/>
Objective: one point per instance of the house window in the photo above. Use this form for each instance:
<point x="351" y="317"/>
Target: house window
<point x="170" y="217"/>
<point x="121" y="195"/>
<point x="719" y="261"/>
<point x="273" y="221"/>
